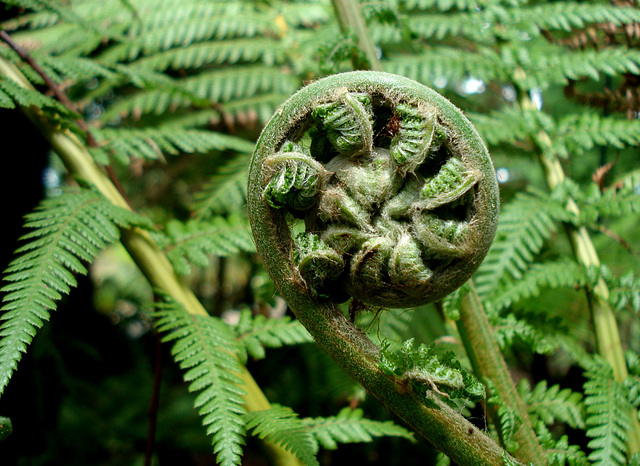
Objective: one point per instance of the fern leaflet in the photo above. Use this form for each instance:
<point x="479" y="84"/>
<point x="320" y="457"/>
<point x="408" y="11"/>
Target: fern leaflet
<point x="280" y="425"/>
<point x="349" y="426"/>
<point x="151" y="143"/>
<point x="559" y="452"/>
<point x="551" y="404"/>
<point x="257" y="333"/>
<point x="608" y="416"/>
<point x="225" y="192"/>
<point x="66" y="230"/>
<point x="558" y="274"/>
<point x="192" y="242"/>
<point x="525" y="223"/>
<point x="204" y="348"/>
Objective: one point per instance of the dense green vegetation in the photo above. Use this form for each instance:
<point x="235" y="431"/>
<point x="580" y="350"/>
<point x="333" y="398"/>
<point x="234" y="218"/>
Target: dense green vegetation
<point x="150" y="111"/>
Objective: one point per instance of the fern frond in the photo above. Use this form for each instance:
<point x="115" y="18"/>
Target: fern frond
<point x="547" y="65"/>
<point x="261" y="49"/>
<point x="525" y="223"/>
<point x="66" y="231"/>
<point x="204" y="348"/>
<point x="65" y="68"/>
<point x="151" y="143"/>
<point x="608" y="416"/>
<point x="438" y="26"/>
<point x="448" y="62"/>
<point x="349" y="426"/>
<point x="222" y="86"/>
<point x="551" y="404"/>
<point x="625" y="290"/>
<point x="511" y="125"/>
<point x="442" y="5"/>
<point x="578" y="133"/>
<point x="562" y="273"/>
<point x="559" y="452"/>
<point x="194" y="241"/>
<point x="225" y="192"/>
<point x="11" y="94"/>
<point x="281" y="426"/>
<point x="199" y="29"/>
<point x="566" y="16"/>
<point x="508" y="421"/>
<point x="259" y="332"/>
<point x="508" y="328"/>
<point x="425" y="370"/>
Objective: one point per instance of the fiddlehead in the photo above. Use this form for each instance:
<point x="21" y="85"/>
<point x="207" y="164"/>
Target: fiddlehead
<point x="403" y="213"/>
<point x="391" y="178"/>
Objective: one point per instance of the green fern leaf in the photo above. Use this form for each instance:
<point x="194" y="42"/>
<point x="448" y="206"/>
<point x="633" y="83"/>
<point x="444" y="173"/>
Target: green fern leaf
<point x="525" y="223"/>
<point x="259" y="332"/>
<point x="194" y="241"/>
<point x="578" y="133"/>
<point x="450" y="63"/>
<point x="225" y="192"/>
<point x="236" y="83"/>
<point x="566" y="16"/>
<point x="511" y="125"/>
<point x="608" y="416"/>
<point x="199" y="29"/>
<point x="204" y="348"/>
<point x="526" y="328"/>
<point x="151" y="143"/>
<point x="12" y="94"/>
<point x="442" y="5"/>
<point x="559" y="452"/>
<point x="66" y="230"/>
<point x="551" y="64"/>
<point x="262" y="49"/>
<point x="349" y="426"/>
<point x="558" y="274"/>
<point x="551" y="404"/>
<point x="281" y="426"/>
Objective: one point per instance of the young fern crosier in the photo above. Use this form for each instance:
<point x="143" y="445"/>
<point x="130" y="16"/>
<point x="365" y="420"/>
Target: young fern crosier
<point x="395" y="201"/>
<point x="399" y="199"/>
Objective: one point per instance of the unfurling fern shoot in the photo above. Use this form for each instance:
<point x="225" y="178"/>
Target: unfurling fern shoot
<point x="372" y="187"/>
<point x="396" y="189"/>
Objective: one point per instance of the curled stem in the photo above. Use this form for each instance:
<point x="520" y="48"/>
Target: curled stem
<point x="363" y="229"/>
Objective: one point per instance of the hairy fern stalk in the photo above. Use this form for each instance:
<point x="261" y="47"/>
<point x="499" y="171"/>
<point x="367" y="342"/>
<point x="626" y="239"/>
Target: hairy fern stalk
<point x="380" y="199"/>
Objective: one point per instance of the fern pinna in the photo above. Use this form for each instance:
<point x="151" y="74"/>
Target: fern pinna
<point x="170" y="97"/>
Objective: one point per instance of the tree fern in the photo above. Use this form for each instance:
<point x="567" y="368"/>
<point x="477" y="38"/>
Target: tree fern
<point x="608" y="416"/>
<point x="581" y="132"/>
<point x="349" y="426"/>
<point x="281" y="426"/>
<point x="257" y="333"/>
<point x="526" y="223"/>
<point x="551" y="404"/>
<point x="557" y="274"/>
<point x="11" y="95"/>
<point x="304" y="437"/>
<point x="532" y="329"/>
<point x="192" y="242"/>
<point x="231" y="51"/>
<point x="152" y="143"/>
<point x="558" y="451"/>
<point x="204" y="347"/>
<point x="225" y="192"/>
<point x="66" y="231"/>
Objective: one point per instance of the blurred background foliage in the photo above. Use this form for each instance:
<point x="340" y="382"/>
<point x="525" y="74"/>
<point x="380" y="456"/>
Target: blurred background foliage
<point x="175" y="92"/>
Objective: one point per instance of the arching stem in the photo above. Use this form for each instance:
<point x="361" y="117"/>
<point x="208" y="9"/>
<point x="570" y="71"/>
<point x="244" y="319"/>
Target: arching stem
<point x="145" y="253"/>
